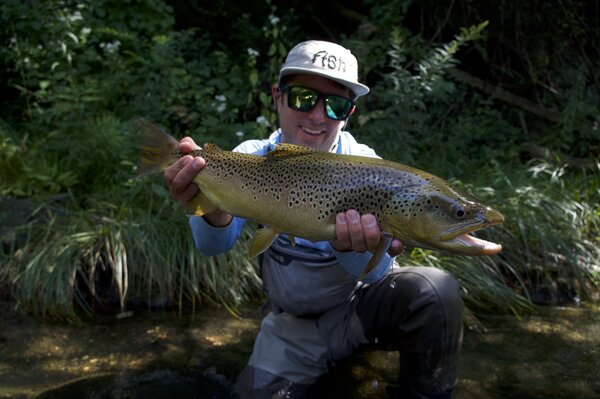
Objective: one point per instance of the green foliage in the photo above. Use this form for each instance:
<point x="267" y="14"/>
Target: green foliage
<point x="22" y="178"/>
<point x="545" y="52"/>
<point x="76" y="74"/>
<point x="579" y="129"/>
<point x="412" y="93"/>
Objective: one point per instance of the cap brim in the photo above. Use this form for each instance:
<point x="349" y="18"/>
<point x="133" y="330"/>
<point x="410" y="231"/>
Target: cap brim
<point x="357" y="88"/>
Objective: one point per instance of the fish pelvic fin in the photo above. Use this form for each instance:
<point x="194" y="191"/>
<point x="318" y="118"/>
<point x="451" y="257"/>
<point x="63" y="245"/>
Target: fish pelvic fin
<point x="158" y="149"/>
<point x="263" y="238"/>
<point x="384" y="245"/>
<point x="200" y="205"/>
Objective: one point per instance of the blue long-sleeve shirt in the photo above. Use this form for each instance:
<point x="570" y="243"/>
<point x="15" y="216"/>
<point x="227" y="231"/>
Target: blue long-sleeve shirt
<point x="212" y="240"/>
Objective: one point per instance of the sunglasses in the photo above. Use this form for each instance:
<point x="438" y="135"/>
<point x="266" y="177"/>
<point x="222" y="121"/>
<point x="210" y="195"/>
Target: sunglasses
<point x="304" y="99"/>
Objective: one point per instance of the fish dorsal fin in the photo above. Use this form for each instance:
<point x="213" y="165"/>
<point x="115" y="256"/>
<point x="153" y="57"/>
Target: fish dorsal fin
<point x="289" y="150"/>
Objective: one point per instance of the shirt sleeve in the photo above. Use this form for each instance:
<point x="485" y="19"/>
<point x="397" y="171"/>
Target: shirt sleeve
<point x="211" y="240"/>
<point x="355" y="262"/>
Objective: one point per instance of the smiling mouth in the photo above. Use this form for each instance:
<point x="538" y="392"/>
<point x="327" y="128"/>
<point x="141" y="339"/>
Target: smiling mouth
<point x="311" y="131"/>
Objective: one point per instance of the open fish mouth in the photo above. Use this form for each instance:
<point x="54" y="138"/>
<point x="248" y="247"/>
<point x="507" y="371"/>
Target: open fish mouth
<point x="462" y="242"/>
<point x="474" y="244"/>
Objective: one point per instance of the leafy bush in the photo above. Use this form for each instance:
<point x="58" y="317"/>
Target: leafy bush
<point x="408" y="103"/>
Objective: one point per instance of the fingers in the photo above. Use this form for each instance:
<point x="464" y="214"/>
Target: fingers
<point x="185" y="196"/>
<point x="396" y="248"/>
<point x="179" y="176"/>
<point x="357" y="233"/>
<point x="187" y="145"/>
<point x="371" y="233"/>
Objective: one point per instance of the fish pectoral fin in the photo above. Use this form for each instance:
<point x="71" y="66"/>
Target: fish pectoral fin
<point x="200" y="205"/>
<point x="263" y="238"/>
<point x="384" y="245"/>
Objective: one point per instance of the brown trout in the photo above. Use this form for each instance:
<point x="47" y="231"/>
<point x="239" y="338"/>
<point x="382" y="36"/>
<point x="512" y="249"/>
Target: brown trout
<point x="299" y="191"/>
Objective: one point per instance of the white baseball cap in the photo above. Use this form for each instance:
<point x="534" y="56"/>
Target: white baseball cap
<point x="330" y="60"/>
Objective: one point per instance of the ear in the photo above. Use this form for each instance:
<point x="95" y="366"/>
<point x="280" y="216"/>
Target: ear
<point x="352" y="110"/>
<point x="276" y="93"/>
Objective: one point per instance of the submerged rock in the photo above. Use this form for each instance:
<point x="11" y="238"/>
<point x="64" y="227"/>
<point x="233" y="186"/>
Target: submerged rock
<point x="205" y="384"/>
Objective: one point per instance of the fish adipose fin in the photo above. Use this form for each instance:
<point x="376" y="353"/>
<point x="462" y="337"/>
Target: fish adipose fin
<point x="263" y="238"/>
<point x="384" y="245"/>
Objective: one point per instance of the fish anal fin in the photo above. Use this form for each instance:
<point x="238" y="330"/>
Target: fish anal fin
<point x="200" y="205"/>
<point x="263" y="238"/>
<point x="384" y="245"/>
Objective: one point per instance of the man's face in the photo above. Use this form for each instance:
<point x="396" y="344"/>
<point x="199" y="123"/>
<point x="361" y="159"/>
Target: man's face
<point x="311" y="129"/>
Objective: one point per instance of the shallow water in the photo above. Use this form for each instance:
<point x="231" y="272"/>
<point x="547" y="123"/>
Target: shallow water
<point x="555" y="354"/>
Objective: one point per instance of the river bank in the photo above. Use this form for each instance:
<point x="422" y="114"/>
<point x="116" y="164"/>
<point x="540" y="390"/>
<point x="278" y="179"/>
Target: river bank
<point x="555" y="353"/>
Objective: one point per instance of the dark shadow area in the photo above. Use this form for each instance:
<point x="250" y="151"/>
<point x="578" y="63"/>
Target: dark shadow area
<point x="155" y="384"/>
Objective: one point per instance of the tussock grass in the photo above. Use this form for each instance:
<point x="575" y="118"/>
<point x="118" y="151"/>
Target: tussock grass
<point x="144" y="256"/>
<point x="551" y="236"/>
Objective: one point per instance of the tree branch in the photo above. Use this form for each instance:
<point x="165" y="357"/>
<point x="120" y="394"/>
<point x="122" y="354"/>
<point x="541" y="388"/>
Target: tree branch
<point x="504" y="95"/>
<point x="537" y="151"/>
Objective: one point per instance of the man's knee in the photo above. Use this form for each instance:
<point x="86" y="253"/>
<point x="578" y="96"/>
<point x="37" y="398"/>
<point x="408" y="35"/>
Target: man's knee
<point x="438" y="299"/>
<point x="442" y="288"/>
<point x="412" y="302"/>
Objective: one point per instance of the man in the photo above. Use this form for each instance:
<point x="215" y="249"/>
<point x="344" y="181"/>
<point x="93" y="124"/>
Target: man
<point x="319" y="311"/>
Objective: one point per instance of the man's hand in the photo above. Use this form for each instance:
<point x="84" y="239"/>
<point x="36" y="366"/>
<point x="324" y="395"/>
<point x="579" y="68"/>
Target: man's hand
<point x="180" y="176"/>
<point x="360" y="233"/>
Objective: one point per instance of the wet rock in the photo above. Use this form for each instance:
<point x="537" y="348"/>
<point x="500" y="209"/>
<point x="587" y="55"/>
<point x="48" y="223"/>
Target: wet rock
<point x="205" y="384"/>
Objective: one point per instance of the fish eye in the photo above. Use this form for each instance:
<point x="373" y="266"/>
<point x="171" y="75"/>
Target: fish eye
<point x="458" y="211"/>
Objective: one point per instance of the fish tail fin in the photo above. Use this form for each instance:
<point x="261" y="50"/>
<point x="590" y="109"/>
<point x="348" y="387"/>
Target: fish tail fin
<point x="158" y="149"/>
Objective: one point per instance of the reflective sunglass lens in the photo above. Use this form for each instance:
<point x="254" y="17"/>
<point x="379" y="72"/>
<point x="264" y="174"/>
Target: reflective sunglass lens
<point x="337" y="108"/>
<point x="304" y="99"/>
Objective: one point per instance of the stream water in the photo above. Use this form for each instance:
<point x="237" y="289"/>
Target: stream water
<point x="554" y="354"/>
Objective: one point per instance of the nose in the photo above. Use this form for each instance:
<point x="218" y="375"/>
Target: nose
<point x="317" y="114"/>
